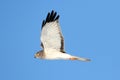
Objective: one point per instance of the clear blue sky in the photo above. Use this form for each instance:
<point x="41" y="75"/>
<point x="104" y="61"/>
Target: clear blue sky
<point x="91" y="29"/>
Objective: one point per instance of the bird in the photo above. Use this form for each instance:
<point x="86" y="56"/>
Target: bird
<point x="52" y="41"/>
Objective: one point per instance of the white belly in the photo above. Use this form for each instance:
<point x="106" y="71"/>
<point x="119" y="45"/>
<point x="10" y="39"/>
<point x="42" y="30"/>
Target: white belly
<point x="57" y="55"/>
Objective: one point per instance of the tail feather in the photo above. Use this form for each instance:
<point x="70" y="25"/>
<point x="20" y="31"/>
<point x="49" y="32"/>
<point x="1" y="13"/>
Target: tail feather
<point x="83" y="59"/>
<point x="79" y="58"/>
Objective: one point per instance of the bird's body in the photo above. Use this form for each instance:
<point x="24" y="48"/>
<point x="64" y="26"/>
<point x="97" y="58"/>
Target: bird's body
<point x="56" y="55"/>
<point x="52" y="41"/>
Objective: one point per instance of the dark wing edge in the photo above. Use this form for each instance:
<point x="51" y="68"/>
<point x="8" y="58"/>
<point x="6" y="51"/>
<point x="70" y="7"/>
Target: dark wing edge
<point x="42" y="45"/>
<point x="62" y="44"/>
<point x="50" y="18"/>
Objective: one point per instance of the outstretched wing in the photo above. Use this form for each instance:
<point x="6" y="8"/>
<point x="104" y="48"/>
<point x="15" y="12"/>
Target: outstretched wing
<point x="51" y="36"/>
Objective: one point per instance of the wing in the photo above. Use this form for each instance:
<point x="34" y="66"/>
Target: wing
<point x="51" y="36"/>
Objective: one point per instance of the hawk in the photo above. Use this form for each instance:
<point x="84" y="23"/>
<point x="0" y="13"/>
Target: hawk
<point x="52" y="40"/>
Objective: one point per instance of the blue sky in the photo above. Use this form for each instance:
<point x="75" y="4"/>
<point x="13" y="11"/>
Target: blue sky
<point x="91" y="29"/>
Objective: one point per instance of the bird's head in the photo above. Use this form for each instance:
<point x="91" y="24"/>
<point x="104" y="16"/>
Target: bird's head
<point x="39" y="54"/>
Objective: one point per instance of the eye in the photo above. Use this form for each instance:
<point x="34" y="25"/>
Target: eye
<point x="38" y="54"/>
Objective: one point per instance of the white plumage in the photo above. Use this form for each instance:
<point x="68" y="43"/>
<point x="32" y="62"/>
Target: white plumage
<point x="50" y="36"/>
<point x="52" y="41"/>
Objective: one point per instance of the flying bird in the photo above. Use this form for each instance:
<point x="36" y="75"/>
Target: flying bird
<point x="52" y="40"/>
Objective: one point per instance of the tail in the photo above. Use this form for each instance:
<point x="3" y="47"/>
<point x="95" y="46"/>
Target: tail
<point x="80" y="59"/>
<point x="83" y="59"/>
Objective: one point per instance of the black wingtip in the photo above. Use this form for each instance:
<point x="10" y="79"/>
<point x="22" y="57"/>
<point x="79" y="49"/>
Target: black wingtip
<point x="57" y="17"/>
<point x="48" y="17"/>
<point x="51" y="16"/>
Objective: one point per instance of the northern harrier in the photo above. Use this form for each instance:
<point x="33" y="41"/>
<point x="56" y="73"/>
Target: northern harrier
<point x="52" y="40"/>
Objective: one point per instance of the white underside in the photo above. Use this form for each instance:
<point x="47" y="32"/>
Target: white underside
<point x="54" y="55"/>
